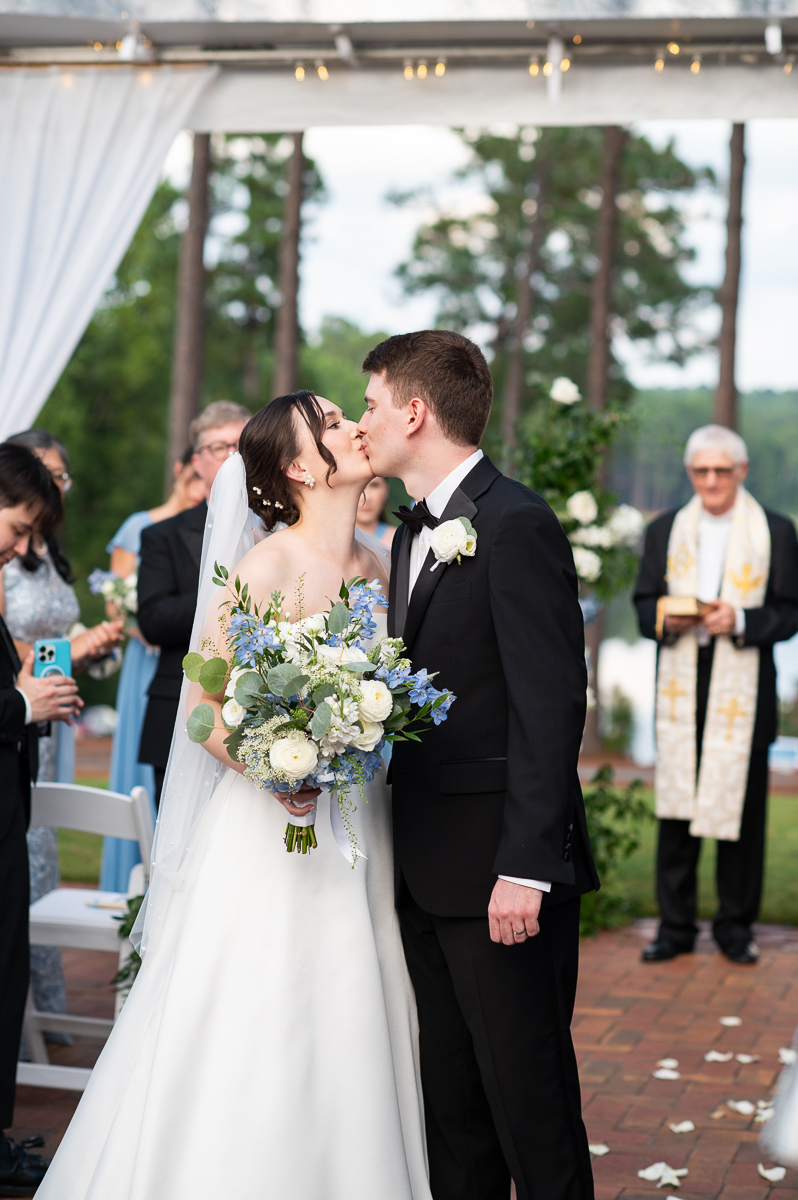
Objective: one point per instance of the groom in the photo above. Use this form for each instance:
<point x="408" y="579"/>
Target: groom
<point x="492" y="850"/>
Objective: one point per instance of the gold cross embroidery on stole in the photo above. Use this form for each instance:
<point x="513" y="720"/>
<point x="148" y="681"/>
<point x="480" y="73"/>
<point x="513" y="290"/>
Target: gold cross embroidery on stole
<point x="673" y="691"/>
<point x="732" y="711"/>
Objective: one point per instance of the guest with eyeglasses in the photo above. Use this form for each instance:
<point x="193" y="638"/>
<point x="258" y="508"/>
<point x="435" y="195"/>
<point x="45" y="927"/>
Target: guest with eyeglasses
<point x="169" y="578"/>
<point x="37" y="600"/>
<point x="138" y="668"/>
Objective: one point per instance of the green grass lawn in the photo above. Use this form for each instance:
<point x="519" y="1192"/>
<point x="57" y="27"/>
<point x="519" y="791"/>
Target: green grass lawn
<point x="80" y="853"/>
<point x="780" y="901"/>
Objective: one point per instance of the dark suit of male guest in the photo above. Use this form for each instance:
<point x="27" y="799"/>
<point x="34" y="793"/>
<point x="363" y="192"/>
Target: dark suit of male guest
<point x="167" y="597"/>
<point x="494" y="791"/>
<point x="18" y="764"/>
<point x="740" y="864"/>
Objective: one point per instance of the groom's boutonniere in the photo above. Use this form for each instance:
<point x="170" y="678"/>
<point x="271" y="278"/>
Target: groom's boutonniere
<point x="451" y="540"/>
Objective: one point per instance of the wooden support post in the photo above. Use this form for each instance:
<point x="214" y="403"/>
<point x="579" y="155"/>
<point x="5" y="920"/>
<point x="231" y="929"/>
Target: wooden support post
<point x="286" y="336"/>
<point x="724" y="410"/>
<point x="189" y="342"/>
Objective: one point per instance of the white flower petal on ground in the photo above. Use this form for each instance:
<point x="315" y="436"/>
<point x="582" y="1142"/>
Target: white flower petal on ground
<point x="662" y="1174"/>
<point x="598" y="1148"/>
<point x="730" y="1020"/>
<point x="747" y="1058"/>
<point x="582" y="507"/>
<point x="565" y="391"/>
<point x="764" y="1114"/>
<point x="787" y="1056"/>
<point x="682" y="1127"/>
<point x="670" y="1063"/>
<point x="744" y="1107"/>
<point x="587" y="563"/>
<point x="716" y="1056"/>
<point x="664" y="1073"/>
<point x="772" y="1174"/>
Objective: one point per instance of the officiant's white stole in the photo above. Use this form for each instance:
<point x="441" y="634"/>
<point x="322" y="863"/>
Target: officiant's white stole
<point x="714" y="804"/>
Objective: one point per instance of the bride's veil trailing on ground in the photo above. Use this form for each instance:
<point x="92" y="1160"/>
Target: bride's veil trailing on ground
<point x="231" y="530"/>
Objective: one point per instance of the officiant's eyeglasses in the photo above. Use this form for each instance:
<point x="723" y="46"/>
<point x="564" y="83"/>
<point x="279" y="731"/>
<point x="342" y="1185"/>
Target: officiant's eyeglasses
<point x="720" y="472"/>
<point x="219" y="449"/>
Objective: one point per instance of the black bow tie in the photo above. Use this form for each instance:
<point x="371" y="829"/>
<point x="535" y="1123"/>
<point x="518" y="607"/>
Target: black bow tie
<point x="417" y="517"/>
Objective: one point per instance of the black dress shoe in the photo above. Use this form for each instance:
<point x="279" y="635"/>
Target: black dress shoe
<point x="662" y="951"/>
<point x="20" y="1172"/>
<point x="742" y="952"/>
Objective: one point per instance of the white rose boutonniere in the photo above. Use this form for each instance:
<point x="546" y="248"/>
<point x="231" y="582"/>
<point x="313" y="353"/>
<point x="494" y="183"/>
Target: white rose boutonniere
<point x="451" y="540"/>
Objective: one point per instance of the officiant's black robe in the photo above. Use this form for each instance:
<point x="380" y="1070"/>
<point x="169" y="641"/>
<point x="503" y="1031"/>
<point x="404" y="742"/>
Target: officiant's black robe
<point x="19" y="747"/>
<point x="494" y="791"/>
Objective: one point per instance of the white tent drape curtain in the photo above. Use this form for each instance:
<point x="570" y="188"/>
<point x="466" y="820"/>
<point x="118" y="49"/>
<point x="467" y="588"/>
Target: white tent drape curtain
<point x="80" y="156"/>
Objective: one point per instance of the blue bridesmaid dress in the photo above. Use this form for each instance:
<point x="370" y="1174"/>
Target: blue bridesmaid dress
<point x="138" y="668"/>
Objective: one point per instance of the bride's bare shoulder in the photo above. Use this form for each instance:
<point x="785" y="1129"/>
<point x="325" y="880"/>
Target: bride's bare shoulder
<point x="266" y="564"/>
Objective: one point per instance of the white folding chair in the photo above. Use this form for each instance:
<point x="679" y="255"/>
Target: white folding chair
<point x="81" y="918"/>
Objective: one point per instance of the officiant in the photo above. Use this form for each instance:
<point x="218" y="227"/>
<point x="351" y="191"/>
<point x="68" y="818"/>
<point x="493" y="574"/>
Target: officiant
<point x="730" y="568"/>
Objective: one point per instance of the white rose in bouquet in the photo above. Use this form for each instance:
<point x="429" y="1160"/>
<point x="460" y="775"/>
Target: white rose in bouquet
<point x="587" y="563"/>
<point x="626" y="524"/>
<point x="312" y="625"/>
<point x="450" y="539"/>
<point x="342" y="654"/>
<point x="233" y="714"/>
<point x="376" y="703"/>
<point x="593" y="535"/>
<point x="295" y="755"/>
<point x="565" y="391"/>
<point x="582" y="507"/>
<point x="235" y="675"/>
<point x="368" y="739"/>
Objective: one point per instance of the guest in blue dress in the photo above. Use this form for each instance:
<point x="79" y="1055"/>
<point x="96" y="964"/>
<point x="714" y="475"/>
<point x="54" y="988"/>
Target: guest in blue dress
<point x="372" y="515"/>
<point x="138" y="668"/>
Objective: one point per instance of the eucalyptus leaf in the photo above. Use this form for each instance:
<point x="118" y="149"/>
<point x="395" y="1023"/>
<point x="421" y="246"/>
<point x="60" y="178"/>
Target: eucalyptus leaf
<point x="338" y="618"/>
<point x="320" y="722"/>
<point x="286" y="679"/>
<point x="295" y="685"/>
<point x="322" y="692"/>
<point x="233" y="742"/>
<point x="192" y="665"/>
<point x="249" y="689"/>
<point x="212" y="675"/>
<point x="201" y="723"/>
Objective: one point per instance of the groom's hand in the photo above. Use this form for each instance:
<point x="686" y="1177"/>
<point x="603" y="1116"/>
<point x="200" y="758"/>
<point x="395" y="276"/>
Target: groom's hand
<point x="513" y="912"/>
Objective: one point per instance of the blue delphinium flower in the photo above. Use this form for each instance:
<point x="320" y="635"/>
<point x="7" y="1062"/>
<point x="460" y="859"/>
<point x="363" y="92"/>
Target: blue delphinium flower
<point x="440" y="713"/>
<point x="421" y="691"/>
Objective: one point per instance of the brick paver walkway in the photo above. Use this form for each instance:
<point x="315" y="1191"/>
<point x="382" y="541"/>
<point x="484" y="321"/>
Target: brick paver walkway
<point x="628" y="1016"/>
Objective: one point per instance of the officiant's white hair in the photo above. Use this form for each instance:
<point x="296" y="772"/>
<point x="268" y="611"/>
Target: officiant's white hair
<point x="716" y="437"/>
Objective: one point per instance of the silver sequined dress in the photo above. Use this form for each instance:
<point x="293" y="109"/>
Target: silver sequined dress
<point x="37" y="605"/>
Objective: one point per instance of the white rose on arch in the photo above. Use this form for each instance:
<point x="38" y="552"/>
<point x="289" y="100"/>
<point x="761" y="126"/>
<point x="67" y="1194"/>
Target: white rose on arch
<point x="626" y="524"/>
<point x="294" y="756"/>
<point x="452" y="539"/>
<point x="368" y="739"/>
<point x="587" y="563"/>
<point x="593" y="535"/>
<point x="565" y="391"/>
<point x="582" y="507"/>
<point x="376" y="703"/>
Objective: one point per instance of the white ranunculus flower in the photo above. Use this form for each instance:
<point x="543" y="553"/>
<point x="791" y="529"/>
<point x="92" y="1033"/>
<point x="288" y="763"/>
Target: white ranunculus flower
<point x="626" y="524"/>
<point x="593" y="535"/>
<point x="233" y="713"/>
<point x="587" y="563"/>
<point x="294" y="756"/>
<point x="368" y="739"/>
<point x="448" y="540"/>
<point x="582" y="507"/>
<point x="342" y="654"/>
<point x="377" y="701"/>
<point x="235" y="675"/>
<point x="313" y="624"/>
<point x="565" y="391"/>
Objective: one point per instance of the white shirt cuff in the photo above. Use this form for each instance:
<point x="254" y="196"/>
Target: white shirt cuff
<point x="28" y="709"/>
<point x="535" y="883"/>
<point x="739" y="621"/>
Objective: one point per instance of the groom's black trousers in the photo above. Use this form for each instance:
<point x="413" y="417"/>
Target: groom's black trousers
<point x="501" y="1088"/>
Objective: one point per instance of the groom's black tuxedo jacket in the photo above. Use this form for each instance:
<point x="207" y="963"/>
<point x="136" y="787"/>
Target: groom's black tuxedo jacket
<point x="494" y="789"/>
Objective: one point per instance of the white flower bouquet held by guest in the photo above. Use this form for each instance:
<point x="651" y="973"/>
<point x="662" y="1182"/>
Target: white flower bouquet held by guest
<point x="115" y="590"/>
<point x="307" y="704"/>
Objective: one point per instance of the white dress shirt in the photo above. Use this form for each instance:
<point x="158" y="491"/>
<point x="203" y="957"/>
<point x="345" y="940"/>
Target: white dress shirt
<point x="436" y="502"/>
<point x="713" y="542"/>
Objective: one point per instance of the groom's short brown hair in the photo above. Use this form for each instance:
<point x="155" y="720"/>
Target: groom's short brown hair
<point x="445" y="370"/>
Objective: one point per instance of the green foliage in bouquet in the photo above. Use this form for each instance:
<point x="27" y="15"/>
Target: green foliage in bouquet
<point x="126" y="975"/>
<point x="614" y="817"/>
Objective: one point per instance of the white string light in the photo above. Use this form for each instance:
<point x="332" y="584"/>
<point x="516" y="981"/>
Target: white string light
<point x="421" y="69"/>
<point x="695" y="65"/>
<point x="534" y="65"/>
<point x="322" y="72"/>
<point x="440" y="67"/>
<point x="408" y="71"/>
<point x="299" y="72"/>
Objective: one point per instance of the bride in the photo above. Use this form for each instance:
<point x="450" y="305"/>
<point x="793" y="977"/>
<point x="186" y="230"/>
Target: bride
<point x="267" y="1049"/>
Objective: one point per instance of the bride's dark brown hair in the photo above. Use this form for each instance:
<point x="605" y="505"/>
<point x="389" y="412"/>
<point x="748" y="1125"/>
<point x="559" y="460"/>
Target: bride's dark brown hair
<point x="270" y="443"/>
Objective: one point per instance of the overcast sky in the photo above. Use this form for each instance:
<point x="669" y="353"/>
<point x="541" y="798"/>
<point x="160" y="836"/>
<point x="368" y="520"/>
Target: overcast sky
<point x="355" y="240"/>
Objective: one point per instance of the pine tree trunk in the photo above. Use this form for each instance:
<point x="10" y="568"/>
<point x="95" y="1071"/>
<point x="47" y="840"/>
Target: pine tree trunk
<point x="598" y="370"/>
<point x="189" y="343"/>
<point x="725" y="406"/>
<point x="514" y="382"/>
<point x="286" y="337"/>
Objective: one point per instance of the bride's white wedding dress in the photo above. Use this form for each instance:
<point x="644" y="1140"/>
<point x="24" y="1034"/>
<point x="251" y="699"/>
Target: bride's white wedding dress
<point x="267" y="1050"/>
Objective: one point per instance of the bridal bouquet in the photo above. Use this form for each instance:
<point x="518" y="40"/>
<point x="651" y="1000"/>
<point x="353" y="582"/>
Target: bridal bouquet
<point x="312" y="702"/>
<point x="118" y="591"/>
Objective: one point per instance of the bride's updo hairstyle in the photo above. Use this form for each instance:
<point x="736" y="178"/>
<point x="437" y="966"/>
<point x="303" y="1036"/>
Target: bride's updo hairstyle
<point x="269" y="444"/>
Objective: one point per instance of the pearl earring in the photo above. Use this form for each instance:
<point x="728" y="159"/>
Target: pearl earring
<point x="309" y="480"/>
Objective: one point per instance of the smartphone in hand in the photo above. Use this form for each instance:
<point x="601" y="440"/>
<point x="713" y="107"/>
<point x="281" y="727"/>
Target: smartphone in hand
<point x="52" y="656"/>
